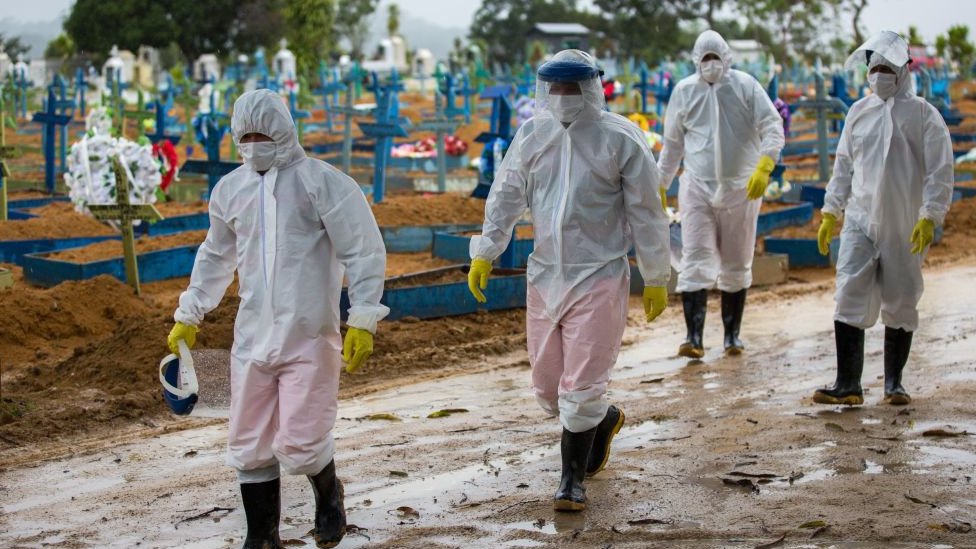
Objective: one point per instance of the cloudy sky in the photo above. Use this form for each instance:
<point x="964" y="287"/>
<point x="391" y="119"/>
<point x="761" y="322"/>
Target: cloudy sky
<point x="932" y="17"/>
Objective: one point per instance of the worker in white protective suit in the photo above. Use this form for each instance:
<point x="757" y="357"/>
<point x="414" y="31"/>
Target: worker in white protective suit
<point x="589" y="180"/>
<point x="726" y="128"/>
<point x="893" y="182"/>
<point x="291" y="226"/>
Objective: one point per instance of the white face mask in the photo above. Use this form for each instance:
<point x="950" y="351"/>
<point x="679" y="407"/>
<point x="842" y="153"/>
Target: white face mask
<point x="712" y="70"/>
<point x="260" y="155"/>
<point x="884" y="85"/>
<point x="566" y="108"/>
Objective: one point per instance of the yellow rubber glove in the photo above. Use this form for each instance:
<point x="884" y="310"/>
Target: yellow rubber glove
<point x="356" y="348"/>
<point x="655" y="301"/>
<point x="922" y="235"/>
<point x="760" y="178"/>
<point x="181" y="331"/>
<point x="478" y="278"/>
<point x="664" y="199"/>
<point x="826" y="233"/>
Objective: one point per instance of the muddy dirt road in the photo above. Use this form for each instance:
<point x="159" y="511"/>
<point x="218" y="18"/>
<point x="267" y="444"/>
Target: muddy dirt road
<point x="728" y="452"/>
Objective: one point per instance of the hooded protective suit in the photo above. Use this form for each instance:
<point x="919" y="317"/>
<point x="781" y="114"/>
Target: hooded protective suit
<point x="589" y="179"/>
<point x="721" y="130"/>
<point x="291" y="234"/>
<point x="893" y="167"/>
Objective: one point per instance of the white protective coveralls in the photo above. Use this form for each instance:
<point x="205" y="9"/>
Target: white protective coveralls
<point x="893" y="167"/>
<point x="591" y="188"/>
<point x="721" y="130"/>
<point x="291" y="234"/>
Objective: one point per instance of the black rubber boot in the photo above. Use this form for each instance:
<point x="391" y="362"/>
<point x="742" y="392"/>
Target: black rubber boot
<point x="575" y="448"/>
<point x="850" y="364"/>
<point x="330" y="514"/>
<point x="897" y="345"/>
<point x="262" y="507"/>
<point x="694" y="304"/>
<point x="733" y="304"/>
<point x="605" y="431"/>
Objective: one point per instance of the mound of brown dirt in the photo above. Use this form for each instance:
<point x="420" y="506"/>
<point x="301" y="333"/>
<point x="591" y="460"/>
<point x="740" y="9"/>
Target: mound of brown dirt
<point x="429" y="209"/>
<point x="65" y="224"/>
<point x="109" y="249"/>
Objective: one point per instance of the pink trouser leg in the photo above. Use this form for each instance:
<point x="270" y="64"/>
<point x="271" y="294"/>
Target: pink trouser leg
<point x="571" y="360"/>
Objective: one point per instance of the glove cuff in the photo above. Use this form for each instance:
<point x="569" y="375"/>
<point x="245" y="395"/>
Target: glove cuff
<point x="766" y="164"/>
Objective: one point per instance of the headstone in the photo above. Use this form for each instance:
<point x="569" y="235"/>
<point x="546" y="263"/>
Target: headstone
<point x="125" y="214"/>
<point x="423" y="67"/>
<point x="206" y="68"/>
<point x="113" y="71"/>
<point x="285" y="66"/>
<point x="5" y="64"/>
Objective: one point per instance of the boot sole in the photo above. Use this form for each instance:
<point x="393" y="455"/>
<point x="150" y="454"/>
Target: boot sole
<point x="690" y="352"/>
<point x="734" y="351"/>
<point x="606" y="453"/>
<point x="568" y="505"/>
<point x="849" y="400"/>
<point x="898" y="400"/>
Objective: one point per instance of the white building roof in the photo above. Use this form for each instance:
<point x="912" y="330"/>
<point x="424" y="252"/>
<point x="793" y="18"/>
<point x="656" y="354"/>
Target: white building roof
<point x="561" y="28"/>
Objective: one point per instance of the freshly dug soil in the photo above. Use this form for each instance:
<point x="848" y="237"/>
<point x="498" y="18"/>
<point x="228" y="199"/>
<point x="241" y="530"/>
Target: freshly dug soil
<point x="173" y="209"/>
<point x="110" y="249"/>
<point x="429" y="209"/>
<point x="58" y="220"/>
<point x="958" y="241"/>
<point x="406" y="263"/>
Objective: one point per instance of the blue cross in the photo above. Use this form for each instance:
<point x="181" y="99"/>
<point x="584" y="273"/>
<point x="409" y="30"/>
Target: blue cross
<point x="211" y="134"/>
<point x="23" y="85"/>
<point x="81" y="86"/>
<point x="466" y="92"/>
<point x="50" y="119"/>
<point x="161" y="119"/>
<point x="329" y="90"/>
<point x="385" y="128"/>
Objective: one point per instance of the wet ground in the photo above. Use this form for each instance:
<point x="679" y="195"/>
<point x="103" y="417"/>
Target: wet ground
<point x="726" y="452"/>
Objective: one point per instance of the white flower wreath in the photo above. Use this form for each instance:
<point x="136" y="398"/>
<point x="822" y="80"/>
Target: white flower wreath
<point x="90" y="177"/>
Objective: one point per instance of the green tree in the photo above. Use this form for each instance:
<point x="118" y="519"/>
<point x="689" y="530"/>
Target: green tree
<point x="856" y="7"/>
<point x="504" y="24"/>
<point x="392" y="20"/>
<point x="195" y="26"/>
<point x="61" y="48"/>
<point x="914" y="39"/>
<point x="955" y="43"/>
<point x="352" y="19"/>
<point x="13" y="46"/>
<point x="649" y="30"/>
<point x="95" y="26"/>
<point x="797" y="24"/>
<point x="308" y="27"/>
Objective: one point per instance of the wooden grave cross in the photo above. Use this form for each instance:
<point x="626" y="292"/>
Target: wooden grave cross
<point x="125" y="213"/>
